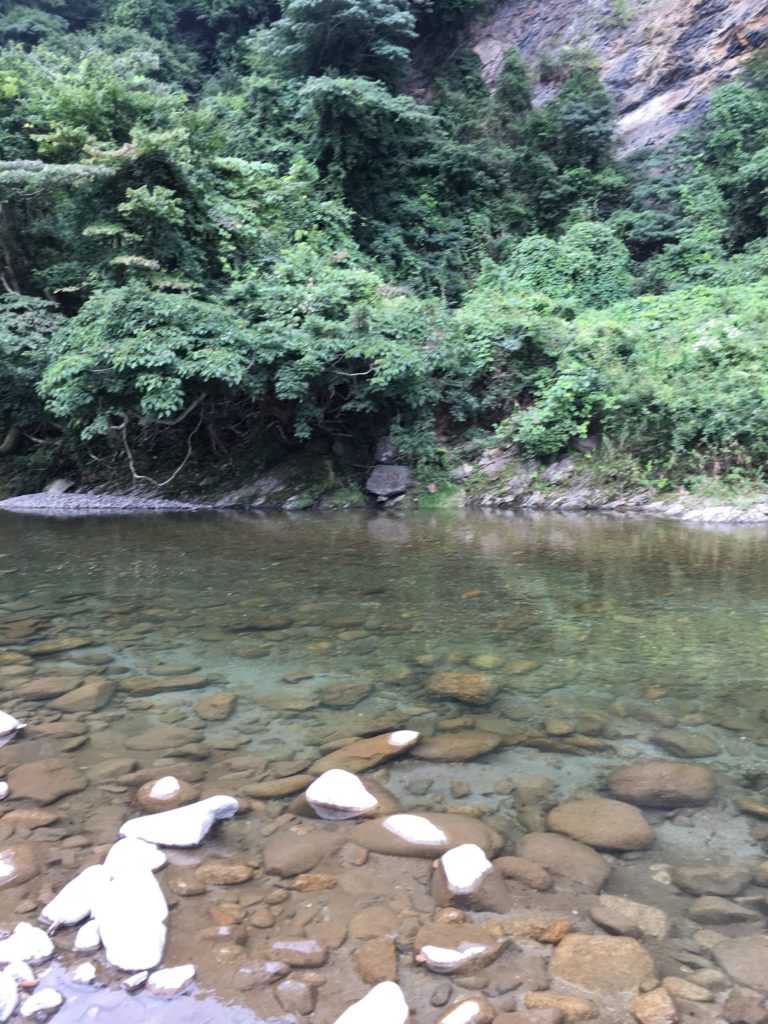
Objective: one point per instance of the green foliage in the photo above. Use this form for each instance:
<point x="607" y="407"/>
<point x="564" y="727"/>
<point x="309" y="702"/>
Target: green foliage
<point x="345" y="37"/>
<point x="27" y="326"/>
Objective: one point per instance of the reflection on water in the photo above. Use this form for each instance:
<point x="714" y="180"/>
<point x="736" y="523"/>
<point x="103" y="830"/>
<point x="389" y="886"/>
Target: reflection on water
<point x="606" y="637"/>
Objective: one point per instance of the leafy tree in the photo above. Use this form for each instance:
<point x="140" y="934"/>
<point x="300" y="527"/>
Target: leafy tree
<point x="346" y="37"/>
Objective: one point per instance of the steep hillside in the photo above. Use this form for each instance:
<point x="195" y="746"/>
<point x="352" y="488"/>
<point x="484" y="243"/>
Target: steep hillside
<point x="660" y="58"/>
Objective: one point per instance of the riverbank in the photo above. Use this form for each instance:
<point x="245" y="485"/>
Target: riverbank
<point x="497" y="480"/>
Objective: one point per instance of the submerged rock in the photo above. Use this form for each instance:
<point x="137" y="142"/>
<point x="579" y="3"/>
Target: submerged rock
<point x="462" y="745"/>
<point x="455" y="948"/>
<point x="164" y="794"/>
<point x="605" y="824"/>
<point x="660" y="783"/>
<point x="469" y="687"/>
<point x="603" y="964"/>
<point x="47" y="780"/>
<point x="423" y="835"/>
<point x="627" y="917"/>
<point x="384" y="1004"/>
<point x="364" y="754"/>
<point x="183" y="826"/>
<point x="745" y="960"/>
<point x="18" y="864"/>
<point x="572" y="864"/>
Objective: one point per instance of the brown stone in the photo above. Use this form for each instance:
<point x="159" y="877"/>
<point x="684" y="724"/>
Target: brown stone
<point x="375" y="960"/>
<point x="314" y="882"/>
<point x="152" y="804"/>
<point x="161" y="737"/>
<point x="522" y="870"/>
<point x="144" y="686"/>
<point x="343" y="694"/>
<point x="364" y="754"/>
<point x="605" y="824"/>
<point x="273" y="788"/>
<point x="573" y="1008"/>
<point x="455" y="948"/>
<point x="374" y="921"/>
<point x="603" y="964"/>
<point x="667" y="784"/>
<point x="47" y="780"/>
<point x="299" y="952"/>
<point x="91" y="696"/>
<point x="745" y="960"/>
<point x="462" y="745"/>
<point x="573" y="865"/>
<point x="216" y="707"/>
<point x="655" y="1007"/>
<point x="219" y="872"/>
<point x="30" y="818"/>
<point x="48" y="687"/>
<point x="469" y="687"/>
<point x="18" y="864"/>
<point x="292" y="854"/>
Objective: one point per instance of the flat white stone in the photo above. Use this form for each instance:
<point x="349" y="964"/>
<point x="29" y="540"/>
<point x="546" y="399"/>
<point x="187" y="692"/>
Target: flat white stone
<point x="384" y="1004"/>
<point x="130" y="852"/>
<point x="9" y="724"/>
<point x="402" y="737"/>
<point x="88" y="938"/>
<point x="9" y="995"/>
<point x="135" y="981"/>
<point x="414" y="829"/>
<point x="463" y="1013"/>
<point x="166" y="788"/>
<point x="84" y="974"/>
<point x="130" y="912"/>
<point x="27" y="943"/>
<point x="464" y="867"/>
<point x="171" y="980"/>
<point x="441" y="959"/>
<point x="75" y="901"/>
<point x="42" y="1003"/>
<point x="183" y="826"/>
<point x="338" y="794"/>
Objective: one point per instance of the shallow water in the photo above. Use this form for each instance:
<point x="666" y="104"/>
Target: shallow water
<point x="601" y="633"/>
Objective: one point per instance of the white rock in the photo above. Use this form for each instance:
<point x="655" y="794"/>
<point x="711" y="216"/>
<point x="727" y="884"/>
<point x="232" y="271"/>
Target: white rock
<point x="9" y="995"/>
<point x="384" y="1004"/>
<point x="88" y="938"/>
<point x="75" y="901"/>
<point x="4" y="790"/>
<point x="129" y="852"/>
<point x="21" y="973"/>
<point x="464" y="866"/>
<point x="183" y="826"/>
<point x="130" y="912"/>
<point x="27" y="943"/>
<point x="414" y="829"/>
<point x="403" y="737"/>
<point x="171" y="980"/>
<point x="338" y="794"/>
<point x="467" y="1010"/>
<point x="166" y="788"/>
<point x="9" y="725"/>
<point x="84" y="974"/>
<point x="440" y="958"/>
<point x="42" y="1004"/>
<point x="135" y="981"/>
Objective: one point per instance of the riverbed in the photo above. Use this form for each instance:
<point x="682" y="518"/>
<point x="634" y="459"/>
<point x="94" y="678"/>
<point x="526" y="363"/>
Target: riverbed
<point x="235" y="651"/>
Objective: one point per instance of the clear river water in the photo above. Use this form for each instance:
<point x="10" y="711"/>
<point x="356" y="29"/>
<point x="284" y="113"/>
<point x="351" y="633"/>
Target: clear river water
<point x="605" y="641"/>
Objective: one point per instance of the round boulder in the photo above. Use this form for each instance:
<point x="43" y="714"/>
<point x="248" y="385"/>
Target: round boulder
<point x="661" y="783"/>
<point x="604" y="824"/>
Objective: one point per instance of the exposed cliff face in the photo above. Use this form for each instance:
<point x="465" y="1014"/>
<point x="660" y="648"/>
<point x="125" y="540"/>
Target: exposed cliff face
<point x="661" y="58"/>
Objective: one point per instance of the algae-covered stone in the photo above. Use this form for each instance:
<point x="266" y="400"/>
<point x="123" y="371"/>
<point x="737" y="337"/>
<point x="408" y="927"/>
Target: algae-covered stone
<point x="469" y="687"/>
<point x="660" y="783"/>
<point x="602" y="964"/>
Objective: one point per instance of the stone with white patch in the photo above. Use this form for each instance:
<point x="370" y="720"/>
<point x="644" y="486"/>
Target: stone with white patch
<point x="423" y="835"/>
<point x="464" y="877"/>
<point x="9" y="995"/>
<point x="384" y="1004"/>
<point x="88" y="937"/>
<point x="455" y="947"/>
<point x="9" y="725"/>
<point x="171" y="981"/>
<point x="338" y="794"/>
